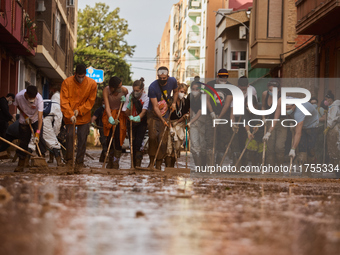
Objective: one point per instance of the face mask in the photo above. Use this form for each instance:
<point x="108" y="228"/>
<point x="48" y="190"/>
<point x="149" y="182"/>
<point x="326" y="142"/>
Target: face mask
<point x="270" y="93"/>
<point x="222" y="81"/>
<point x="315" y="106"/>
<point x="118" y="90"/>
<point x="31" y="101"/>
<point x="137" y="94"/>
<point x="180" y="95"/>
<point x="325" y="103"/>
<point x="290" y="111"/>
<point x="162" y="82"/>
<point x="195" y="93"/>
<point x="10" y="102"/>
<point x="80" y="80"/>
<point x="104" y="106"/>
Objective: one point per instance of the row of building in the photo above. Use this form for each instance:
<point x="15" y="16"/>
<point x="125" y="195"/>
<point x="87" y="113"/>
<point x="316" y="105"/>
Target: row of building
<point x="37" y="42"/>
<point x="259" y="38"/>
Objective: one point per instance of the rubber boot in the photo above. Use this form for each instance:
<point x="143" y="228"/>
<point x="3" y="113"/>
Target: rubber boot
<point x="159" y="164"/>
<point x="27" y="161"/>
<point x="117" y="154"/>
<point x="197" y="159"/>
<point x="102" y="157"/>
<point x="78" y="167"/>
<point x="21" y="166"/>
<point x="139" y="158"/>
<point x="167" y="161"/>
<point x="109" y="165"/>
<point x="58" y="157"/>
<point x="152" y="158"/>
<point x="173" y="161"/>
<point x="51" y="158"/>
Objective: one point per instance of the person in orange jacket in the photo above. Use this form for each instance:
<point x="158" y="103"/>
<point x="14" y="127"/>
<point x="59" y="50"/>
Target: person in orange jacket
<point x="114" y="97"/>
<point x="77" y="96"/>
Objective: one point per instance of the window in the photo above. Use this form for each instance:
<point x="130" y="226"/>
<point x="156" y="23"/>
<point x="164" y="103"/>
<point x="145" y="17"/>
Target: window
<point x="275" y="11"/>
<point x="57" y="28"/>
<point x="238" y="59"/>
<point x="225" y="59"/>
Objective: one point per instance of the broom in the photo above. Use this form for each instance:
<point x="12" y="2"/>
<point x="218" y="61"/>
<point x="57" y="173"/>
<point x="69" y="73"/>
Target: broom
<point x="37" y="161"/>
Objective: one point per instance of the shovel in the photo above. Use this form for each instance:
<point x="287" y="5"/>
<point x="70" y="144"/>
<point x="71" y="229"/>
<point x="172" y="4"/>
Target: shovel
<point x="36" y="143"/>
<point x="36" y="161"/>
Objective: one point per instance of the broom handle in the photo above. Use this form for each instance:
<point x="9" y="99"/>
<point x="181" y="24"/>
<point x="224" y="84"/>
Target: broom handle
<point x="131" y="140"/>
<point x="36" y="144"/>
<point x="160" y="143"/>
<point x="186" y="143"/>
<point x="264" y="145"/>
<point x="231" y="140"/>
<point x="245" y="147"/>
<point x="113" y="134"/>
<point x="16" y="146"/>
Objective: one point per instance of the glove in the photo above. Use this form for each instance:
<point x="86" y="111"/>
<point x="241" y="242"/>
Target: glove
<point x="292" y="153"/>
<point x="123" y="99"/>
<point x="165" y="123"/>
<point x="116" y="122"/>
<point x="326" y="131"/>
<point x="76" y="112"/>
<point x="36" y="138"/>
<point x="213" y="115"/>
<point x="27" y="119"/>
<point x="73" y="119"/>
<point x="111" y="120"/>
<point x="134" y="119"/>
<point x="266" y="136"/>
<point x="129" y="105"/>
<point x="93" y="125"/>
<point x="235" y="128"/>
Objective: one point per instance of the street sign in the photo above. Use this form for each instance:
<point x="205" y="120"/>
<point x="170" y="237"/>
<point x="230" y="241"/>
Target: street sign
<point x="96" y="74"/>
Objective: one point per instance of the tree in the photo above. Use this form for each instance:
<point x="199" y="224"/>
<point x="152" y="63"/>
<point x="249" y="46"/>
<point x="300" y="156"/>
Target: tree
<point x="103" y="30"/>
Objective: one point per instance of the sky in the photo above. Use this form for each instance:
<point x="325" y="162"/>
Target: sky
<point x="146" y="20"/>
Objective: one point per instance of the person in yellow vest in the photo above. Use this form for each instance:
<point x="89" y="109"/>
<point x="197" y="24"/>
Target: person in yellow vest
<point x="77" y="96"/>
<point x="114" y="96"/>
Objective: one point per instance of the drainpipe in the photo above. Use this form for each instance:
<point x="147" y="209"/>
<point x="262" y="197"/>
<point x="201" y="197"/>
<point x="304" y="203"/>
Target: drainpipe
<point x="317" y="64"/>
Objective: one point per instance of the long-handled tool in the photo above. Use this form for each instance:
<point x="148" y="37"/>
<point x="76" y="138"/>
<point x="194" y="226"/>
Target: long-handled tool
<point x="174" y="147"/>
<point x="131" y="139"/>
<point x="36" y="143"/>
<point x="73" y="144"/>
<point x="112" y="136"/>
<point x="264" y="145"/>
<point x="229" y="144"/>
<point x="36" y="161"/>
<point x="213" y="149"/>
<point x="291" y="158"/>
<point x="324" y="141"/>
<point x="245" y="147"/>
<point x="186" y="142"/>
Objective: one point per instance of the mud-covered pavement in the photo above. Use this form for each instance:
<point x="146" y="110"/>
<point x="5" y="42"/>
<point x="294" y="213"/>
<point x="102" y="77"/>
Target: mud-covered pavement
<point x="155" y="213"/>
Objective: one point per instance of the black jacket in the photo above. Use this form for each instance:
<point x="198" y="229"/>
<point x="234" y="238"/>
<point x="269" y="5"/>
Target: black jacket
<point x="4" y="110"/>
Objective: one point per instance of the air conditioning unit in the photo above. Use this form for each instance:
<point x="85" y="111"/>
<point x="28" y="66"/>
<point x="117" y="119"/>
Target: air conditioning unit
<point x="197" y="53"/>
<point x="242" y="32"/>
<point x="41" y="6"/>
<point x="241" y="72"/>
<point x="198" y="20"/>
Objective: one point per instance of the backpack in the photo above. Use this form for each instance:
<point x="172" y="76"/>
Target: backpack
<point x="48" y="107"/>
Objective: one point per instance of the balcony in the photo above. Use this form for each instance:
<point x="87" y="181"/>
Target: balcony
<point x="192" y="71"/>
<point x="312" y="15"/>
<point x="193" y="40"/>
<point x="17" y="33"/>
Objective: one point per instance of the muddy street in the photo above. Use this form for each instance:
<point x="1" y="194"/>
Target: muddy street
<point x="134" y="212"/>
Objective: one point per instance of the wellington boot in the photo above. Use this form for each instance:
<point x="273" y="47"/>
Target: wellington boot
<point x="109" y="165"/>
<point x="21" y="166"/>
<point x="138" y="158"/>
<point x="59" y="161"/>
<point x="159" y="164"/>
<point x="152" y="158"/>
<point x="27" y="161"/>
<point x="167" y="161"/>
<point x="50" y="161"/>
<point x="116" y="163"/>
<point x="102" y="157"/>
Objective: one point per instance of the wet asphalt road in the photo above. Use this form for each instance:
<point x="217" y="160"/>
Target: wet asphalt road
<point x="134" y="212"/>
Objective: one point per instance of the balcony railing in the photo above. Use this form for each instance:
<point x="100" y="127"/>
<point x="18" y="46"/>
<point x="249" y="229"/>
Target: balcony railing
<point x="195" y="4"/>
<point x="193" y="37"/>
<point x="192" y="71"/>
